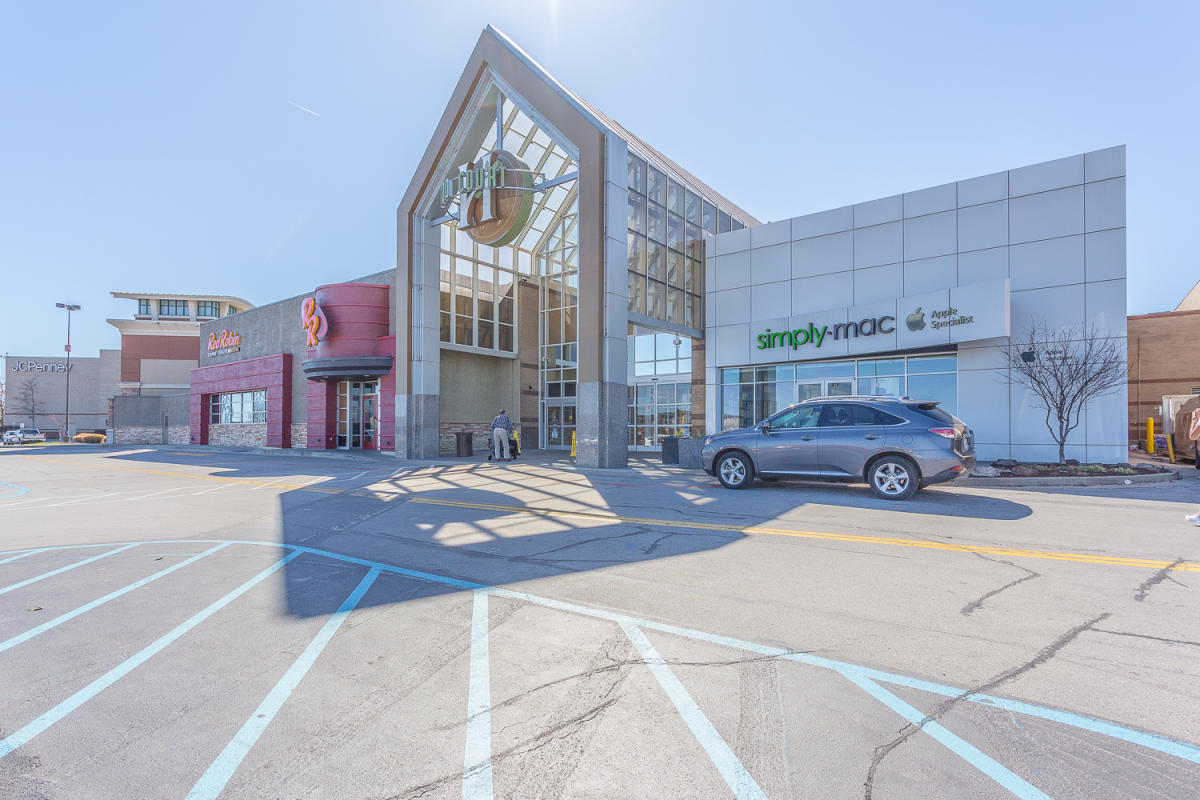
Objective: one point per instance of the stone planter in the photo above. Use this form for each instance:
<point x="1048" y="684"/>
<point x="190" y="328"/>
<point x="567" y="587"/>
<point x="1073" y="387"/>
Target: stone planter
<point x="689" y="453"/>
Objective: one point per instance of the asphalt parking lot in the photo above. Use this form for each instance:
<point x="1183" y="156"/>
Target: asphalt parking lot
<point x="183" y="623"/>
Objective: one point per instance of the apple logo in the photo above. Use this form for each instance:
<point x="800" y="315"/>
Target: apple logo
<point x="916" y="320"/>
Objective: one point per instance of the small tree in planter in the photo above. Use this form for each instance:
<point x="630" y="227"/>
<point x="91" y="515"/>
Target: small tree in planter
<point x="1066" y="368"/>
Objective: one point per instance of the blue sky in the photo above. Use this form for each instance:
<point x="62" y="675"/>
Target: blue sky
<point x="259" y="149"/>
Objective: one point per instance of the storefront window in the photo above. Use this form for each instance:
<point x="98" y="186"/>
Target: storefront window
<point x="238" y="408"/>
<point x="750" y="394"/>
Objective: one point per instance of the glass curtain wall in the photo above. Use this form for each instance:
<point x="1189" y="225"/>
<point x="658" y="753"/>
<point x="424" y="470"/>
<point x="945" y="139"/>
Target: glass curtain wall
<point x="666" y="220"/>
<point x="558" y="317"/>
<point x="750" y="394"/>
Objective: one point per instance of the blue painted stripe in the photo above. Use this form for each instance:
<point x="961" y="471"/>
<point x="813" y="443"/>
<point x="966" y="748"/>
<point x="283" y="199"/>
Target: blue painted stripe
<point x="214" y="779"/>
<point x="967" y="752"/>
<point x="19" y="556"/>
<point x="17" y="491"/>
<point x="61" y="570"/>
<point x="1162" y="744"/>
<point x="94" y="688"/>
<point x="477" y="757"/>
<point x="1152" y="741"/>
<point x="727" y="763"/>
<point x="83" y="609"/>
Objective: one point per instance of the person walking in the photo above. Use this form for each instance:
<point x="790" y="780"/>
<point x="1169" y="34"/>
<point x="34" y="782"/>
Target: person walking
<point x="501" y="427"/>
<point x="1194" y="435"/>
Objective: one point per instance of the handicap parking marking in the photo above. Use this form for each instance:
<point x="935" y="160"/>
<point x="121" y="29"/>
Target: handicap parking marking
<point x="11" y="490"/>
<point x="476" y="763"/>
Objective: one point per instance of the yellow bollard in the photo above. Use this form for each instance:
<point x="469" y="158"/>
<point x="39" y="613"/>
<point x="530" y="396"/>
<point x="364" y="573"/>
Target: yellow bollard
<point x="1171" y="448"/>
<point x="1150" y="435"/>
<point x="572" y="444"/>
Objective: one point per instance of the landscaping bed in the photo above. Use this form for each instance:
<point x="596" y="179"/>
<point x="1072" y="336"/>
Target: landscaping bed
<point x="1005" y="468"/>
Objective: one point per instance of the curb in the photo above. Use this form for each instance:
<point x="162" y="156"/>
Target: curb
<point x="1072" y="480"/>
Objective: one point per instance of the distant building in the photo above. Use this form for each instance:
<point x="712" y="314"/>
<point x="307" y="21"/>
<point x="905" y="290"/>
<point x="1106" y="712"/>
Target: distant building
<point x="36" y="391"/>
<point x="1191" y="300"/>
<point x="1164" y="362"/>
<point x="162" y="343"/>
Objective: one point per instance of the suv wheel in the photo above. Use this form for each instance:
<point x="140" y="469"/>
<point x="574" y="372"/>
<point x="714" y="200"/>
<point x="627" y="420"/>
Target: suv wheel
<point x="894" y="478"/>
<point x="735" y="471"/>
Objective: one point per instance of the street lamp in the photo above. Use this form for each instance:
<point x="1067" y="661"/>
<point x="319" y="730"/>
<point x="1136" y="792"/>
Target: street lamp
<point x="69" y="309"/>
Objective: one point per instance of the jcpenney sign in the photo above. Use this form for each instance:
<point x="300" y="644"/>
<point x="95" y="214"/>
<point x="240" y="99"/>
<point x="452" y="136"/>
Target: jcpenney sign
<point x="957" y="314"/>
<point x="39" y="366"/>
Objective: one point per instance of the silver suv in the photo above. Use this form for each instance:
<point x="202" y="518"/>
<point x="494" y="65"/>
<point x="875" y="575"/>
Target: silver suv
<point x="895" y="444"/>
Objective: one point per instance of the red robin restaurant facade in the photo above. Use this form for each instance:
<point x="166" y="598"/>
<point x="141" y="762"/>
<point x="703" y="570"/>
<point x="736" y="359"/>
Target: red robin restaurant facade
<point x="314" y="371"/>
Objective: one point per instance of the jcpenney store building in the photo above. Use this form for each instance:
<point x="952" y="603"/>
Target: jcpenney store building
<point x="552" y="263"/>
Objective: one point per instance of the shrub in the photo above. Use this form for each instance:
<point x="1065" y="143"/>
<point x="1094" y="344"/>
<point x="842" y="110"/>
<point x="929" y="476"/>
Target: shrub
<point x="89" y="438"/>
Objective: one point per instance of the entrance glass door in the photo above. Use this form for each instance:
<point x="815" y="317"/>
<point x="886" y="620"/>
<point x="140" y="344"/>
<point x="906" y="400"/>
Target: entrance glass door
<point x="662" y="408"/>
<point x="559" y="423"/>
<point x="825" y="388"/>
<point x="357" y="419"/>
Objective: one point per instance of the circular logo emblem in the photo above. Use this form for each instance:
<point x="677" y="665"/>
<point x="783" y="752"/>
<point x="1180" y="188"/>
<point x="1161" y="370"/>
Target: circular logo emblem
<point x="511" y="201"/>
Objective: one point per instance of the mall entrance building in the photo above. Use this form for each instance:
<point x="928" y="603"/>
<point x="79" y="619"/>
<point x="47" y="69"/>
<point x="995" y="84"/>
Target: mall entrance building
<point x="555" y="267"/>
<point x="553" y="264"/>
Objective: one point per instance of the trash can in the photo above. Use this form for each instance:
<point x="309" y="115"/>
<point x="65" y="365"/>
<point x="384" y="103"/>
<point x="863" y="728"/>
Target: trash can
<point x="463" y="446"/>
<point x="670" y="449"/>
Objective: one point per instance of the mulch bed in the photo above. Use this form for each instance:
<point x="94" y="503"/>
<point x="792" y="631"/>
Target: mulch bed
<point x="1015" y="469"/>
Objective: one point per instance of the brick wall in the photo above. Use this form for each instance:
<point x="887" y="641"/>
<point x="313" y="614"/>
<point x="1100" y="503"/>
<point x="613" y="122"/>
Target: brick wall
<point x="238" y="435"/>
<point x="136" y="434"/>
<point x="299" y="434"/>
<point x="480" y="436"/>
<point x="1163" y="359"/>
<point x="150" y="434"/>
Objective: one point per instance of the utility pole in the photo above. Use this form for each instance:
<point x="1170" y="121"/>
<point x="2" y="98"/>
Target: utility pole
<point x="69" y="308"/>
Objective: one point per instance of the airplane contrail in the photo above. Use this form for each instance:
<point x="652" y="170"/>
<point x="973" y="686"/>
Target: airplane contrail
<point x="302" y="108"/>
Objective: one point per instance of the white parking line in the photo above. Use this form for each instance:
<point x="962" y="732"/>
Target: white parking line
<point x="19" y="556"/>
<point x="214" y="779"/>
<point x="94" y="688"/>
<point x="477" y="758"/>
<point x="59" y="620"/>
<point x="61" y="570"/>
<point x="727" y="763"/>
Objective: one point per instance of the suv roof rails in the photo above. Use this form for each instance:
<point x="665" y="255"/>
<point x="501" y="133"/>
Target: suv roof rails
<point x="859" y="397"/>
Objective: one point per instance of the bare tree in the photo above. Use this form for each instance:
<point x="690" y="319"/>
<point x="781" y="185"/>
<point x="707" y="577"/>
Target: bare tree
<point x="26" y="401"/>
<point x="1066" y="368"/>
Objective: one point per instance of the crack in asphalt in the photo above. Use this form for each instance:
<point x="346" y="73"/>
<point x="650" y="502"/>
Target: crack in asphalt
<point x="1147" y="636"/>
<point x="973" y="606"/>
<point x="1163" y="574"/>
<point x="578" y="722"/>
<point x="1042" y="656"/>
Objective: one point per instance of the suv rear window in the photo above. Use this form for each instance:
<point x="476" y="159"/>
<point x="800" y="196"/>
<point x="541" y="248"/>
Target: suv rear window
<point x="934" y="413"/>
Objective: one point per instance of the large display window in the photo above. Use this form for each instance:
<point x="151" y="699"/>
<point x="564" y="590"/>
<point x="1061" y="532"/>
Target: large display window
<point x="751" y="394"/>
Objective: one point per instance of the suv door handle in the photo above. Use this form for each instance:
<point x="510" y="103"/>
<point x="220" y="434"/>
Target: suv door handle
<point x="872" y="436"/>
<point x="808" y="437"/>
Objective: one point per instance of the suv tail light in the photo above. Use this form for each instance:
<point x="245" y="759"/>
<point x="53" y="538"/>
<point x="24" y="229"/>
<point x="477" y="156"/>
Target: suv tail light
<point x="945" y="433"/>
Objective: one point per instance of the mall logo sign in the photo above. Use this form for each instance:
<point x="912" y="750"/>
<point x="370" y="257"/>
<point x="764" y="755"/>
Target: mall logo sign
<point x="494" y="195"/>
<point x="799" y="337"/>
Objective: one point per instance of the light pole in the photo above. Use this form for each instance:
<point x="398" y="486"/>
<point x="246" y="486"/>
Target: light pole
<point x="69" y="308"/>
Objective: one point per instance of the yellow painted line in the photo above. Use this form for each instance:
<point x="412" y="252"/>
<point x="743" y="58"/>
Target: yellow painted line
<point x="271" y="482"/>
<point x="1083" y="558"/>
<point x="1119" y="561"/>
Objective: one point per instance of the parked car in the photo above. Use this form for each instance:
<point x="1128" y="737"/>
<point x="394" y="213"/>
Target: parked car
<point x="895" y="444"/>
<point x="24" y="436"/>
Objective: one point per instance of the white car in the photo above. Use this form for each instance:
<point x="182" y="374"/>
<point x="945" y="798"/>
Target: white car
<point x="23" y="436"/>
